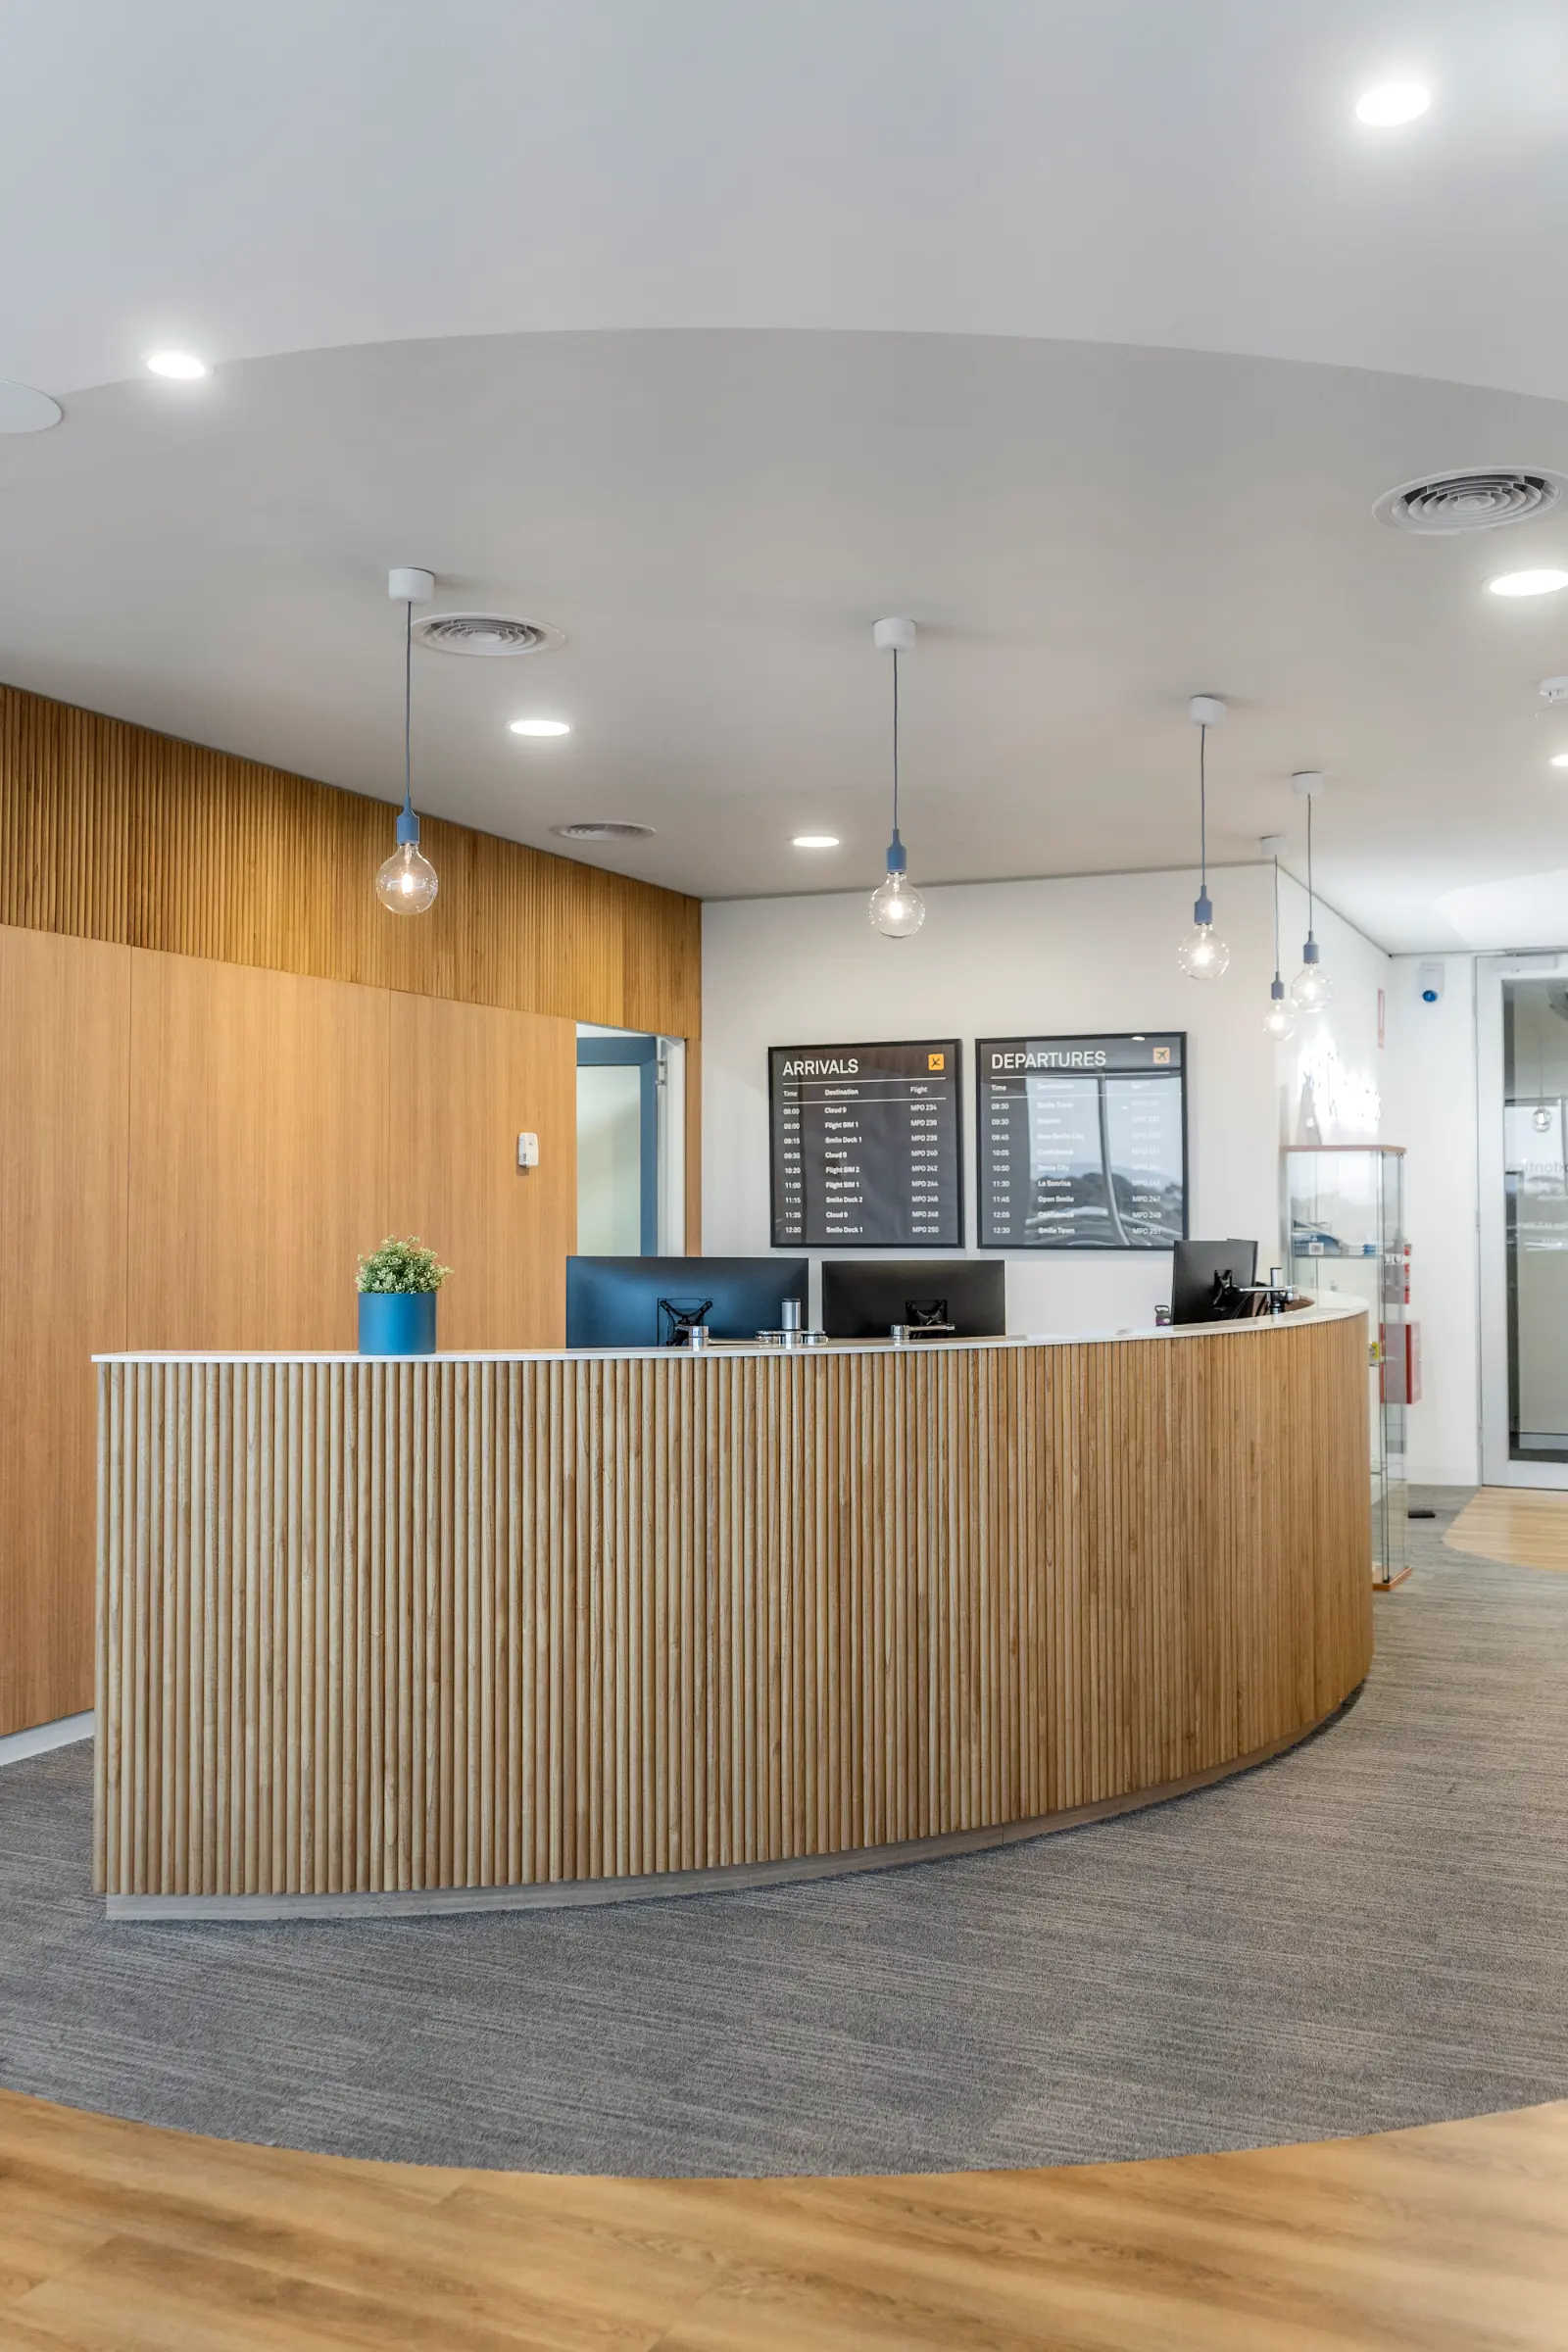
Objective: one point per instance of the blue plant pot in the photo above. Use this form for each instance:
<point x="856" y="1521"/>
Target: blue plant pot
<point x="397" y="1322"/>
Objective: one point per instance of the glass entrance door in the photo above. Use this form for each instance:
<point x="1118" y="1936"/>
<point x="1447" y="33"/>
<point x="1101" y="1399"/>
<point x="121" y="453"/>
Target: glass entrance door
<point x="1523" y="1040"/>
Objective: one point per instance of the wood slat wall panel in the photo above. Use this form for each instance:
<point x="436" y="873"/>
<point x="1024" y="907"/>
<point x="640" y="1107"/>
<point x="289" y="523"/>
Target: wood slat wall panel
<point x="192" y="1155"/>
<point x="472" y="1623"/>
<point x="65" y="1012"/>
<point x="115" y="833"/>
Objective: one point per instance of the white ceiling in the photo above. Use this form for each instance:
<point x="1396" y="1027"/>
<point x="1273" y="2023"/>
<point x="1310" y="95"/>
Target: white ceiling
<point x="1085" y="333"/>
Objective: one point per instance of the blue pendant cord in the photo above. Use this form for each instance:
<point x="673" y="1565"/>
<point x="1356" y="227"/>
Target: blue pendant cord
<point x="898" y="863"/>
<point x="408" y="822"/>
<point x="895" y="743"/>
<point x="1202" y="911"/>
<point x="1309" y="904"/>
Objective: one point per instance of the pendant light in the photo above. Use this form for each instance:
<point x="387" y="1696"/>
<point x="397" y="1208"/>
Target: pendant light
<point x="1311" y="989"/>
<point x="896" y="908"/>
<point x="407" y="884"/>
<point x="1203" y="953"/>
<point x="1279" y="1022"/>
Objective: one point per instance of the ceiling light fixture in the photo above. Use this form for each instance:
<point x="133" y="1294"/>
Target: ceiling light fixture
<point x="896" y="908"/>
<point x="1279" y="1022"/>
<point x="181" y="367"/>
<point x="1559" y="758"/>
<point x="538" y="726"/>
<point x="1203" y="953"/>
<point x="1311" y="989"/>
<point x="1545" y="582"/>
<point x="1391" y="104"/>
<point x="407" y="883"/>
<point x="814" y="841"/>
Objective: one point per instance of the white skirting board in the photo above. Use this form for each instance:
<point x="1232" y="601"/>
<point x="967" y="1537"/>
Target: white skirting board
<point x="42" y="1737"/>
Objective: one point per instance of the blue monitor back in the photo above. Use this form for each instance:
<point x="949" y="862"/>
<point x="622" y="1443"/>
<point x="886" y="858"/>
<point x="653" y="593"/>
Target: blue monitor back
<point x="626" y="1301"/>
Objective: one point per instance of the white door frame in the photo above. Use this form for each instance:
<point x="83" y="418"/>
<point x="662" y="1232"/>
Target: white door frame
<point x="1497" y="1470"/>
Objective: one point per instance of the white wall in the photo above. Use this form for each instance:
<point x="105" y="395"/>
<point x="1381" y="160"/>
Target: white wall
<point x="1053" y="957"/>
<point x="1332" y="1074"/>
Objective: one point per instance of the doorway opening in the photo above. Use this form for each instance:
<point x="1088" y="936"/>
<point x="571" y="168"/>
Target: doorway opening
<point x="631" y="1167"/>
<point x="1522" y="1033"/>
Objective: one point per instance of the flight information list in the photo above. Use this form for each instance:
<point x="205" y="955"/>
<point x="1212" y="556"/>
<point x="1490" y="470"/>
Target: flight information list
<point x="865" y="1146"/>
<point x="1083" y="1142"/>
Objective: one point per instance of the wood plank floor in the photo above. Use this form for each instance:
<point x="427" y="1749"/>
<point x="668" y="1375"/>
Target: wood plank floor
<point x="114" y="2238"/>
<point x="1527" y="1526"/>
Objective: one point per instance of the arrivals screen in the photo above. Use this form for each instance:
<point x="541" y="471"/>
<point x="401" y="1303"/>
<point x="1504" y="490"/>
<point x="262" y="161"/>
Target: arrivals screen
<point x="1083" y="1142"/>
<point x="865" y="1146"/>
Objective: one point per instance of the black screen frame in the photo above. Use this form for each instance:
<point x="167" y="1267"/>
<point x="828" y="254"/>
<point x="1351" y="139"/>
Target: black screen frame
<point x="911" y="1243"/>
<point x="1088" y="1037"/>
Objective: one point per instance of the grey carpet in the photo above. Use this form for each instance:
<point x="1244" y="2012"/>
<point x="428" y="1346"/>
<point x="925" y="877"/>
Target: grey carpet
<point x="1371" y="1932"/>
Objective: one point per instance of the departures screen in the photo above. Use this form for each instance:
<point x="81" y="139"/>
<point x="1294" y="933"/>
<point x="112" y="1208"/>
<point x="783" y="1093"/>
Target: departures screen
<point x="1083" y="1142"/>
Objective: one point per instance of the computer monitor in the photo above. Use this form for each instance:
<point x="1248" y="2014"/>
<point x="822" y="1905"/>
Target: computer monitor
<point x="862" y="1299"/>
<point x="1195" y="1267"/>
<point x="648" y="1301"/>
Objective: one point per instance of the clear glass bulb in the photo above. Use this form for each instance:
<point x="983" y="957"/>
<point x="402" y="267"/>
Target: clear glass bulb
<point x="1311" y="989"/>
<point x="1203" y="953"/>
<point x="407" y="884"/>
<point x="896" y="908"/>
<point x="1279" y="1022"/>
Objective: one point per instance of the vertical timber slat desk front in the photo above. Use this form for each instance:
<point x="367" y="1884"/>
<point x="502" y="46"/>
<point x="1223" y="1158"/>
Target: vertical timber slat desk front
<point x="442" y="1633"/>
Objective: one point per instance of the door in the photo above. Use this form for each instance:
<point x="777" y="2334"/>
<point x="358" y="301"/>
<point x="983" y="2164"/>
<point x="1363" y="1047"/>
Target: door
<point x="617" y="1147"/>
<point x="1522" y="1050"/>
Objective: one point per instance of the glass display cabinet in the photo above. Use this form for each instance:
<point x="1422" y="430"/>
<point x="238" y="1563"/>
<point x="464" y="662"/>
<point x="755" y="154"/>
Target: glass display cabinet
<point x="1344" y="1219"/>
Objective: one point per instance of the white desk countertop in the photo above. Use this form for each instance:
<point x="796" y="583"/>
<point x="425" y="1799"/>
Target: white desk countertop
<point x="723" y="1351"/>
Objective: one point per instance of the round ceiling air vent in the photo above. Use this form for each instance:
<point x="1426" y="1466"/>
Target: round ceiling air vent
<point x="486" y="633"/>
<point x="1482" y="498"/>
<point x="603" y="829"/>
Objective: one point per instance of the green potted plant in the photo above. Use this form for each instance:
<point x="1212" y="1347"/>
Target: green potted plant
<point x="398" y="1283"/>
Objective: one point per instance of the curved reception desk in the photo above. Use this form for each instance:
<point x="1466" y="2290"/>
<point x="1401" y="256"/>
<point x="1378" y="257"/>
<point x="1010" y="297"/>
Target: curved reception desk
<point x="425" y="1635"/>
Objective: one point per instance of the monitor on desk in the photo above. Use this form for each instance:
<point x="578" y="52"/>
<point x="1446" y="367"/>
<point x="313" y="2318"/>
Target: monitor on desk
<point x="863" y="1299"/>
<point x="653" y="1302"/>
<point x="1196" y="1267"/>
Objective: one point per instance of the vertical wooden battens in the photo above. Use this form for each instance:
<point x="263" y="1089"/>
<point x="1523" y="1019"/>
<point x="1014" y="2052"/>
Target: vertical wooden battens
<point x="494" y="1621"/>
<point x="116" y="833"/>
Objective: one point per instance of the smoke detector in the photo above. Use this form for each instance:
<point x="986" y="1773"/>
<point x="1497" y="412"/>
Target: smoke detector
<point x="486" y="633"/>
<point x="1482" y="498"/>
<point x="603" y="828"/>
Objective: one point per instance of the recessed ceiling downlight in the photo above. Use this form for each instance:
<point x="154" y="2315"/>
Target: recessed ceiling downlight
<point x="1391" y="103"/>
<point x="180" y="367"/>
<point x="492" y="634"/>
<point x="538" y="726"/>
<point x="603" y="829"/>
<point x="1545" y="581"/>
<point x="814" y="841"/>
<point x="1559" y="758"/>
<point x="1479" y="498"/>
